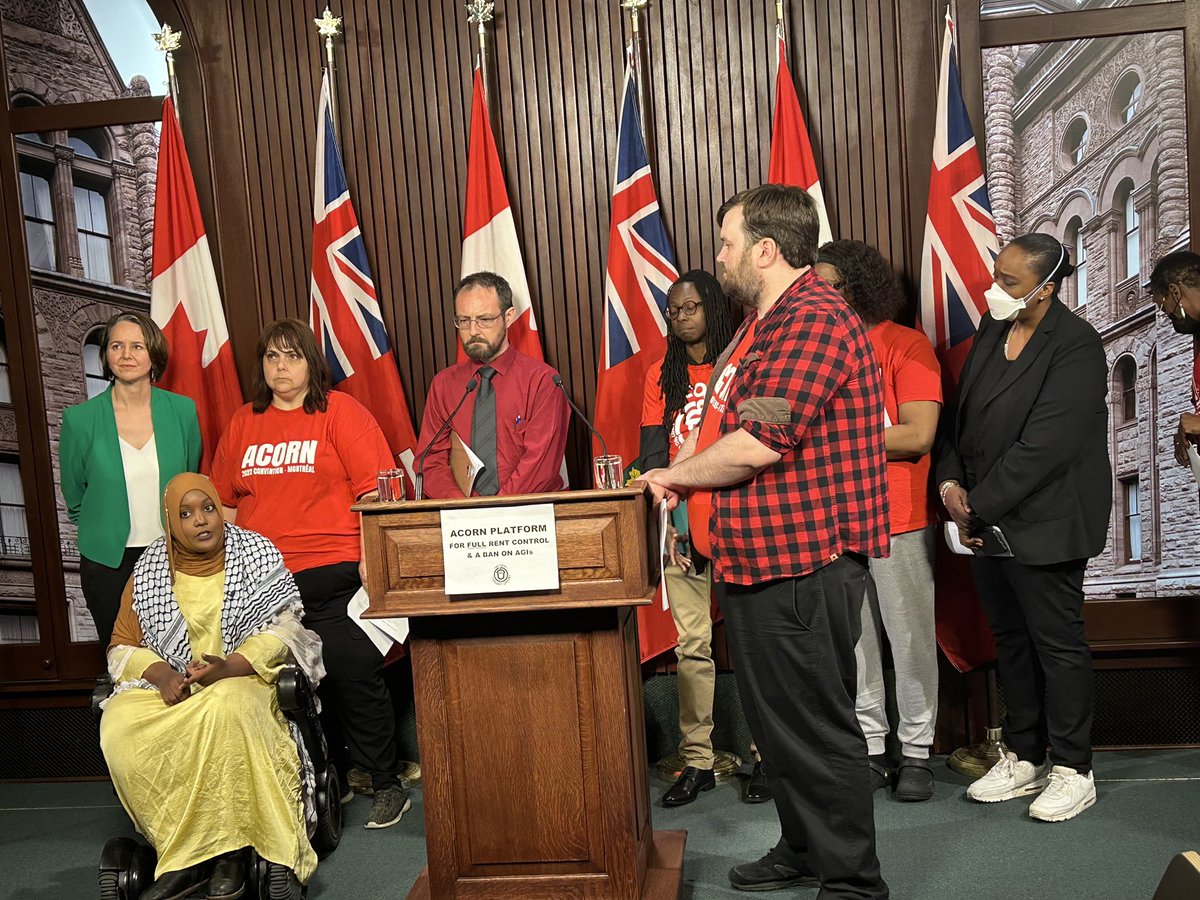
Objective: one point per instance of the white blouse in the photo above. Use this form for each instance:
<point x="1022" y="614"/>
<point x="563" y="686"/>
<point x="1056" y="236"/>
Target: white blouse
<point x="141" y="488"/>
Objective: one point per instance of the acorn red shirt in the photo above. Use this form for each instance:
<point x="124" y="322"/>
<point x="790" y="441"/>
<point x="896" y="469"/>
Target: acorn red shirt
<point x="294" y="476"/>
<point x="910" y="372"/>
<point x="654" y="404"/>
<point x="700" y="503"/>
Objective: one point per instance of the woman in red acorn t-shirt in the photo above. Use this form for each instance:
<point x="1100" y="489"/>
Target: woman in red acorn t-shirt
<point x="289" y="466"/>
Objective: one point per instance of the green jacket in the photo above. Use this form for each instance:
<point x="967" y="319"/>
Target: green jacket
<point x="93" y="476"/>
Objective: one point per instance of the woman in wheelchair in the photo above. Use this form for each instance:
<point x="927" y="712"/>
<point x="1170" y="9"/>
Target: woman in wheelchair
<point x="200" y="753"/>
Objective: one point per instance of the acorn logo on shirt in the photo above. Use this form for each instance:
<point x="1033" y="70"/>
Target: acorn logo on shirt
<point x="276" y="459"/>
<point x="689" y="416"/>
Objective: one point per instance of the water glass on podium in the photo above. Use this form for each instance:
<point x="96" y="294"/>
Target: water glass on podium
<point x="609" y="472"/>
<point x="391" y="485"/>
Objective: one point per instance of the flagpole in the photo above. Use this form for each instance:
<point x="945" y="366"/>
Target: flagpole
<point x="329" y="26"/>
<point x="168" y="41"/>
<point x="479" y="13"/>
<point x="635" y="8"/>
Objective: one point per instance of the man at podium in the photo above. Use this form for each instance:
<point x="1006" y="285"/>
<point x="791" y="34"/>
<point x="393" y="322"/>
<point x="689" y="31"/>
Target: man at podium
<point x="508" y="420"/>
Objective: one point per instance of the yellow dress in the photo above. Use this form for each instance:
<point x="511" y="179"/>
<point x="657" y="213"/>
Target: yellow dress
<point x="218" y="771"/>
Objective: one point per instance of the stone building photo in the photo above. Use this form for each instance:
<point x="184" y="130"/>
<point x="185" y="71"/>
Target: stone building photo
<point x="1086" y="140"/>
<point x="87" y="197"/>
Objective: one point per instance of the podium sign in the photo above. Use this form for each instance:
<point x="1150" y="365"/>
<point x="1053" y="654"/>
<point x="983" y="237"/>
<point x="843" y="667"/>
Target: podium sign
<point x="500" y="549"/>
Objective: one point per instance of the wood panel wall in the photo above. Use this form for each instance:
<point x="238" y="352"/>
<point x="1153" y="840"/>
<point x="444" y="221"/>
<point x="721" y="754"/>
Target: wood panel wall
<point x="864" y="70"/>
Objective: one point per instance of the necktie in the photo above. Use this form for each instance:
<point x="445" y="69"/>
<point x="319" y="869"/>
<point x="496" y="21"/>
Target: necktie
<point x="483" y="434"/>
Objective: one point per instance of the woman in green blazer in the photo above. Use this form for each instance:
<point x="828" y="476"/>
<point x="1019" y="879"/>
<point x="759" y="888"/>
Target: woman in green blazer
<point x="117" y="452"/>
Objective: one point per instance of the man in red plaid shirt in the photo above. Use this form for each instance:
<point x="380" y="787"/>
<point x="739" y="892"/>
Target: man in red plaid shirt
<point x="791" y="448"/>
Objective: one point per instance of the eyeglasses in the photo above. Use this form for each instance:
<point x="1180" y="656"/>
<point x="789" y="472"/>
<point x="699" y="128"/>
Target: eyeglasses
<point x="464" y="323"/>
<point x="683" y="310"/>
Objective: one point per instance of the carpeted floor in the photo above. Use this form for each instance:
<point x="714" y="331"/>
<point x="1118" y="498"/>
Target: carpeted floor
<point x="946" y="849"/>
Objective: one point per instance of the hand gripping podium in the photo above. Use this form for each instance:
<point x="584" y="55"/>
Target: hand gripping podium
<point x="529" y="706"/>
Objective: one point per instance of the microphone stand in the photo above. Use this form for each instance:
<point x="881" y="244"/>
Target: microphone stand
<point x="419" y="477"/>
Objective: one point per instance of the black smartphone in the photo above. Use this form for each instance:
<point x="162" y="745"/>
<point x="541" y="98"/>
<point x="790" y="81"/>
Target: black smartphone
<point x="994" y="543"/>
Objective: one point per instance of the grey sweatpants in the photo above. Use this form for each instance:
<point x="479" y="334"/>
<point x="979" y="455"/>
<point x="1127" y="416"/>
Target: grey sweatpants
<point x="899" y="601"/>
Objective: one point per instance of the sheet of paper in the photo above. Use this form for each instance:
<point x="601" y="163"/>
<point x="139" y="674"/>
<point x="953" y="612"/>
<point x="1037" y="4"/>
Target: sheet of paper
<point x="474" y="468"/>
<point x="955" y="545"/>
<point x="500" y="549"/>
<point x="1194" y="459"/>
<point x="382" y="632"/>
<point x="664" y="518"/>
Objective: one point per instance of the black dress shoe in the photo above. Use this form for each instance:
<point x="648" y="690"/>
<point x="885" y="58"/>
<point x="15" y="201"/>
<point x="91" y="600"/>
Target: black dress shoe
<point x="177" y="885"/>
<point x="228" y="880"/>
<point x="757" y="789"/>
<point x="691" y="782"/>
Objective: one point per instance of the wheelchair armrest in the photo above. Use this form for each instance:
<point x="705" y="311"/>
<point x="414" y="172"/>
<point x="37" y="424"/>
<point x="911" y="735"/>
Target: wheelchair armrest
<point x="292" y="687"/>
<point x="299" y="703"/>
<point x="101" y="692"/>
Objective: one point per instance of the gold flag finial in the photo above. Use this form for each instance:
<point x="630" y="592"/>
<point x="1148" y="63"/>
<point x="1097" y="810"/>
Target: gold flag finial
<point x="168" y="40"/>
<point x="329" y="26"/>
<point x="480" y="12"/>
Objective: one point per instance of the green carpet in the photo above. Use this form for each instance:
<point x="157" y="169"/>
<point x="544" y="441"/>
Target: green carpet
<point x="946" y="849"/>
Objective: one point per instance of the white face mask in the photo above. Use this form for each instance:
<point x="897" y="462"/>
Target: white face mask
<point x="1004" y="307"/>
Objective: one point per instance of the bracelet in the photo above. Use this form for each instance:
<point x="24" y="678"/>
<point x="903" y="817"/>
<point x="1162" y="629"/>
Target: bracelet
<point x="945" y="486"/>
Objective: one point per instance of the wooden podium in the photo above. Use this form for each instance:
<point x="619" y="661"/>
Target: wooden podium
<point x="529" y="706"/>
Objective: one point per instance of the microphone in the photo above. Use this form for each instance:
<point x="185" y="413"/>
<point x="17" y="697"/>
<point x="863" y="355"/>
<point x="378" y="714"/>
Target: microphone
<point x="419" y="478"/>
<point x="558" y="383"/>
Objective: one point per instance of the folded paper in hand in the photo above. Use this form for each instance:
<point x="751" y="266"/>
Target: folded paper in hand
<point x="382" y="632"/>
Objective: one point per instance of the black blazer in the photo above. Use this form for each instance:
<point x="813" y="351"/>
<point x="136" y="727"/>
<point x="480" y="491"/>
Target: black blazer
<point x="1042" y="471"/>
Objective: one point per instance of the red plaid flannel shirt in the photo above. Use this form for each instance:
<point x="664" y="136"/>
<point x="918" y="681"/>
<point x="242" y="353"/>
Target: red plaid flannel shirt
<point x="828" y="494"/>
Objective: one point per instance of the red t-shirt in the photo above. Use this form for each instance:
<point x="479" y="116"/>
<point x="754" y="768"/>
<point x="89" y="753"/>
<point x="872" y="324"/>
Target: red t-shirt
<point x="700" y="503"/>
<point x="293" y="477"/>
<point x="910" y="372"/>
<point x="654" y="404"/>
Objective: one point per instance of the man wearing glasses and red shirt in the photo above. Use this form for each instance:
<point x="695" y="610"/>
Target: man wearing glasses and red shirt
<point x="515" y="420"/>
<point x="797" y="470"/>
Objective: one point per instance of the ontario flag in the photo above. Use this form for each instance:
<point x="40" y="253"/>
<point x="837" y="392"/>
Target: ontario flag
<point x="641" y="269"/>
<point x="489" y="232"/>
<point x="184" y="299"/>
<point x="344" y="312"/>
<point x="956" y="270"/>
<point x="792" y="160"/>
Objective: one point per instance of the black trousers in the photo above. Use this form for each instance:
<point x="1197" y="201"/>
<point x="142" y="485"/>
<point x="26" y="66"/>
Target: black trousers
<point x="102" y="589"/>
<point x="1036" y="614"/>
<point x="793" y="652"/>
<point x="356" y="706"/>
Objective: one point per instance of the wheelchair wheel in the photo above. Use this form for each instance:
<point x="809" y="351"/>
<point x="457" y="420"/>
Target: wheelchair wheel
<point x="329" y="814"/>
<point x="126" y="869"/>
<point x="275" y="882"/>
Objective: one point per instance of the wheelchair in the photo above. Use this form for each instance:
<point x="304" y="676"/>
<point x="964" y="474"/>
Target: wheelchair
<point x="127" y="865"/>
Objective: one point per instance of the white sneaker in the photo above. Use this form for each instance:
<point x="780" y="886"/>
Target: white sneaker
<point x="1009" y="778"/>
<point x="1066" y="796"/>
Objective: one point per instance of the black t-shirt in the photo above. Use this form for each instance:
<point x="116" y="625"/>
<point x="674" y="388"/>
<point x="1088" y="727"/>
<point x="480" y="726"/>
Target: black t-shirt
<point x="993" y="370"/>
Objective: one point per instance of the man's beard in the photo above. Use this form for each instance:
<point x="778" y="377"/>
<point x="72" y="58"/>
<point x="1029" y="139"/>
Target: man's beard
<point x="742" y="287"/>
<point x="480" y="350"/>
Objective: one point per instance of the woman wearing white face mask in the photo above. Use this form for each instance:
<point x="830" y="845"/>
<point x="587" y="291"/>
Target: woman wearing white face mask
<point x="1023" y="446"/>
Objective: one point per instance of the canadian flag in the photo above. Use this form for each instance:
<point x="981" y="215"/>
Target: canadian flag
<point x="792" y="159"/>
<point x="489" y="233"/>
<point x="184" y="299"/>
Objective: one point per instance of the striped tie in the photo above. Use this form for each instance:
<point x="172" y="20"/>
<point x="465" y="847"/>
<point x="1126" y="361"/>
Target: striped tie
<point x="483" y="434"/>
